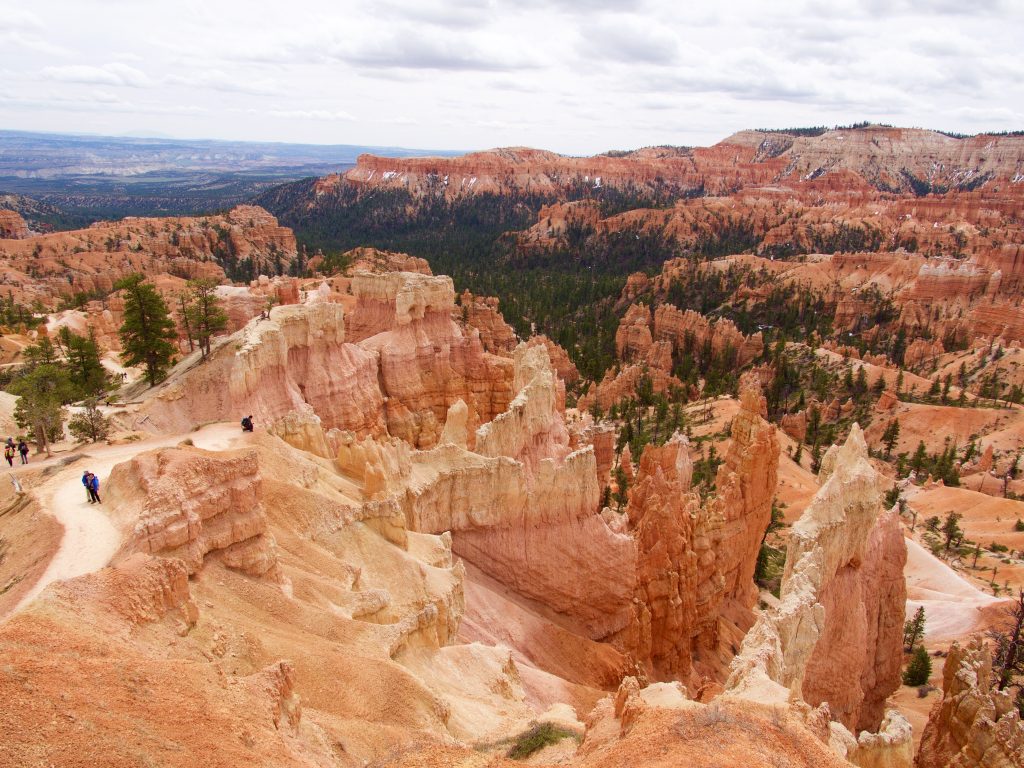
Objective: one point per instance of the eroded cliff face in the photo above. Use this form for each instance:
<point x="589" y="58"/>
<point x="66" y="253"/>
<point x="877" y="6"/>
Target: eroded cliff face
<point x="404" y="364"/>
<point x="835" y="637"/>
<point x="186" y="504"/>
<point x="296" y="357"/>
<point x="426" y="362"/>
<point x="973" y="725"/>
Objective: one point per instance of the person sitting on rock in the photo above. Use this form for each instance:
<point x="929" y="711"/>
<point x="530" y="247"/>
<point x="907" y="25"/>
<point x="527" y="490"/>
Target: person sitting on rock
<point x="23" y="450"/>
<point x="247" y="423"/>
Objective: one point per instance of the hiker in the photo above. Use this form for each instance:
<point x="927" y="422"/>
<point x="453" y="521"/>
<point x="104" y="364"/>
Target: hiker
<point x="94" y="489"/>
<point x="9" y="453"/>
<point x="86" y="477"/>
<point x="23" y="450"/>
<point x="247" y="423"/>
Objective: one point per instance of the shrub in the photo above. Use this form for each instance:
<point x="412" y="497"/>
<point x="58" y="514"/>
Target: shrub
<point x="994" y="547"/>
<point x="535" y="739"/>
<point x="1019" y="525"/>
<point x="89" y="424"/>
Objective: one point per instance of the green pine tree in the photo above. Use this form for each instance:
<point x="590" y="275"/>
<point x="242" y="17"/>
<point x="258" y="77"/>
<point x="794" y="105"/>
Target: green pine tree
<point x="913" y="629"/>
<point x="204" y="314"/>
<point x="147" y="334"/>
<point x="82" y="354"/>
<point x="919" y="669"/>
<point x="41" y="396"/>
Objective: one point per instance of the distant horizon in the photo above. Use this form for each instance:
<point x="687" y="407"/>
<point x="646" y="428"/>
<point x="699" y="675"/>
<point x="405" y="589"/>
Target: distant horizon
<point x="129" y="137"/>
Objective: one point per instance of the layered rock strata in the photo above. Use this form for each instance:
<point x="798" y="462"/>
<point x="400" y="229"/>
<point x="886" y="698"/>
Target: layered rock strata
<point x="402" y="367"/>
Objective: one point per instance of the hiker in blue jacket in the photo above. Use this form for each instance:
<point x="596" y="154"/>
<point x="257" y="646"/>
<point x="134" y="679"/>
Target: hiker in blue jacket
<point x="92" y="487"/>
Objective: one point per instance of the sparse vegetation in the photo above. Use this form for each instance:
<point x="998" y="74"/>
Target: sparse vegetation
<point x="535" y="739"/>
<point x="89" y="424"/>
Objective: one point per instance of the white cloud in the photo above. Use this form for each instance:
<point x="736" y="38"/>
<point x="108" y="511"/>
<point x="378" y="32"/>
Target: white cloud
<point x="218" y="80"/>
<point x="463" y="74"/>
<point x="115" y="73"/>
<point x="308" y="114"/>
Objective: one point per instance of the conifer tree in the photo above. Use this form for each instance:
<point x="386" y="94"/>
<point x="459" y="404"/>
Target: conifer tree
<point x="204" y="315"/>
<point x="147" y="334"/>
<point x="913" y="629"/>
<point x="890" y="436"/>
<point x="82" y="355"/>
<point x="41" y="396"/>
<point x="919" y="669"/>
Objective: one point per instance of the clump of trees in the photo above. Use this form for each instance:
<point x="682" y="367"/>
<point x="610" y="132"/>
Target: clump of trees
<point x="919" y="669"/>
<point x="53" y="376"/>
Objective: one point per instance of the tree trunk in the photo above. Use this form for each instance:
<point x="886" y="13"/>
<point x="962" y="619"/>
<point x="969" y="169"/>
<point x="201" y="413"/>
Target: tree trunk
<point x="43" y="440"/>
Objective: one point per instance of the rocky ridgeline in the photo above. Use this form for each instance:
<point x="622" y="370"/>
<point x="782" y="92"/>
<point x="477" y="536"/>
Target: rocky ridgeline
<point x="58" y="265"/>
<point x="871" y="158"/>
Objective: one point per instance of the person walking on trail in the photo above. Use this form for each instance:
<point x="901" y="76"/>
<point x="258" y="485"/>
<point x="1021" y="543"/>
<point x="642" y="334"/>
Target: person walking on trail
<point x="23" y="450"/>
<point x="9" y="453"/>
<point x="94" y="488"/>
<point x="247" y="424"/>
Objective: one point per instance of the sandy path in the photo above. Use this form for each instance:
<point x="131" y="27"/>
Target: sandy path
<point x="951" y="603"/>
<point x="90" y="539"/>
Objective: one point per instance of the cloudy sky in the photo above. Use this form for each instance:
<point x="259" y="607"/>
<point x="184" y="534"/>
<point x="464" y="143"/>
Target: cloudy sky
<point x="574" y="76"/>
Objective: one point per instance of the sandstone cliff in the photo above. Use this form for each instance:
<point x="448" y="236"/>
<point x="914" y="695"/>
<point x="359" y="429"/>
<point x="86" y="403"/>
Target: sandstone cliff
<point x="189" y="503"/>
<point x="402" y="367"/>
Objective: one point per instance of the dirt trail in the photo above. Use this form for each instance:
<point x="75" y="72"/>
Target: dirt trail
<point x="90" y="540"/>
<point x="952" y="605"/>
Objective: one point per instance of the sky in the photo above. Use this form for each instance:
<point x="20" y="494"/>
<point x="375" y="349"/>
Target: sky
<point x="574" y="77"/>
